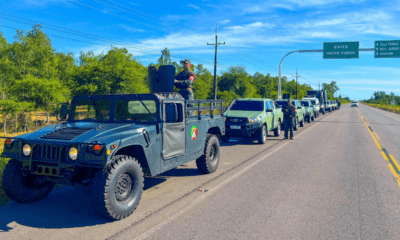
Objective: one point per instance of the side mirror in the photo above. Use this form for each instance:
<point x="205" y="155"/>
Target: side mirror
<point x="62" y="115"/>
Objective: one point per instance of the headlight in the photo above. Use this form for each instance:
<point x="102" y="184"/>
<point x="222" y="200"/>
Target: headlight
<point x="26" y="150"/>
<point x="73" y="153"/>
<point x="257" y="119"/>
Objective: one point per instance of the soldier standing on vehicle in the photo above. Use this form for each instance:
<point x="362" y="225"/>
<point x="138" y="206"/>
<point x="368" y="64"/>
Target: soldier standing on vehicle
<point x="184" y="81"/>
<point x="289" y="114"/>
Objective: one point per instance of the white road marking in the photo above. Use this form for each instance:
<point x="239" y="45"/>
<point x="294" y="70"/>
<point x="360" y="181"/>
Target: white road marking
<point x="198" y="200"/>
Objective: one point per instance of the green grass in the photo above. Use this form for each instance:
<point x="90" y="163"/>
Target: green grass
<point x="387" y="107"/>
<point x="3" y="197"/>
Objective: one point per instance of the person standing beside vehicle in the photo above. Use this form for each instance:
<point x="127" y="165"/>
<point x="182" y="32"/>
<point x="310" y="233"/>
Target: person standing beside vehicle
<point x="289" y="113"/>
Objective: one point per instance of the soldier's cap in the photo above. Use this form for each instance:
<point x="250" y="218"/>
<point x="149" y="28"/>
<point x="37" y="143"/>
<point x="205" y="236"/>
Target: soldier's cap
<point x="186" y="61"/>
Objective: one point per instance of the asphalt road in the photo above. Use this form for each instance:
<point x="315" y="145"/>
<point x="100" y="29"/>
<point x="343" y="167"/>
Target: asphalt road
<point x="331" y="182"/>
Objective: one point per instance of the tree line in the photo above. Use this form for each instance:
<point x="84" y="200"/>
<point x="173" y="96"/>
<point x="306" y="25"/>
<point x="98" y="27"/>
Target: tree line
<point x="33" y="76"/>
<point x="381" y="97"/>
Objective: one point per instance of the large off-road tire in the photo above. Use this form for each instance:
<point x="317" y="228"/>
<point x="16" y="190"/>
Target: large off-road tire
<point x="262" y="134"/>
<point x="302" y="122"/>
<point x="225" y="138"/>
<point x="118" y="188"/>
<point x="309" y="118"/>
<point x="323" y="112"/>
<point x="277" y="130"/>
<point x="208" y="162"/>
<point x="296" y="124"/>
<point x="24" y="189"/>
<point x="313" y="117"/>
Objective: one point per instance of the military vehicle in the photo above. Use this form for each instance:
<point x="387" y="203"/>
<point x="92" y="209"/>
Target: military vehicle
<point x="322" y="97"/>
<point x="106" y="144"/>
<point x="309" y="109"/>
<point x="252" y="117"/>
<point x="315" y="104"/>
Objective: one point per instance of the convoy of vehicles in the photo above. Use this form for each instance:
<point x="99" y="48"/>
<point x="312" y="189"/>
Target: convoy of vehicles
<point x="252" y="118"/>
<point x="106" y="144"/>
<point x="322" y="97"/>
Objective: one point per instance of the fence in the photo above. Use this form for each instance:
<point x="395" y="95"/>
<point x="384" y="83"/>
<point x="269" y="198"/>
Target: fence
<point x="26" y="122"/>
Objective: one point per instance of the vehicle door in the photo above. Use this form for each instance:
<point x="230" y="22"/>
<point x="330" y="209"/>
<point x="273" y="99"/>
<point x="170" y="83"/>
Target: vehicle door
<point x="274" y="121"/>
<point x="173" y="130"/>
<point x="268" y="115"/>
<point x="300" y="111"/>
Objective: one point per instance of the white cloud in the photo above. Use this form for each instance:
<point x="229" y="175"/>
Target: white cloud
<point x="251" y="26"/>
<point x="193" y="6"/>
<point x="224" y="21"/>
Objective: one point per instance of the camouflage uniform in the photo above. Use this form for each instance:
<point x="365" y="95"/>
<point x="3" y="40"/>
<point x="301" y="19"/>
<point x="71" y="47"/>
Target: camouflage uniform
<point x="184" y="83"/>
<point x="289" y="113"/>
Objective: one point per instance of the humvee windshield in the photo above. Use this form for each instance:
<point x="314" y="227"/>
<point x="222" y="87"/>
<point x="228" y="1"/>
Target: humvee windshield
<point x="126" y="110"/>
<point x="248" y="106"/>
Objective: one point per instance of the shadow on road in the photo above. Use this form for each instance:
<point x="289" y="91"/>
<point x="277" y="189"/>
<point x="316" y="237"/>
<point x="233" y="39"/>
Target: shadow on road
<point x="67" y="207"/>
<point x="248" y="141"/>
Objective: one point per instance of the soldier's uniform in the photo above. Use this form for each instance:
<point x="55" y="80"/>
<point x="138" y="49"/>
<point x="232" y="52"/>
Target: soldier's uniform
<point x="185" y="82"/>
<point x="289" y="113"/>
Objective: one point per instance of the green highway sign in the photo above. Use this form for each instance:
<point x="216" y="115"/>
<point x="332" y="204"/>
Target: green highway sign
<point x="341" y="50"/>
<point x="387" y="49"/>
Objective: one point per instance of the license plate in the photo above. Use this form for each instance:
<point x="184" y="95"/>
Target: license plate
<point x="235" y="127"/>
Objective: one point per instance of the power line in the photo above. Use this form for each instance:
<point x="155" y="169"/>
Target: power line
<point x="95" y="37"/>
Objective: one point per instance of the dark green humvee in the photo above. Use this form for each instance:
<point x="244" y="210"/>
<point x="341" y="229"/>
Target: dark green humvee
<point x="108" y="143"/>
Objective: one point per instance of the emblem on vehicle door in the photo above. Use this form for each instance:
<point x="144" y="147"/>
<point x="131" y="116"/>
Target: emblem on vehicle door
<point x="193" y="132"/>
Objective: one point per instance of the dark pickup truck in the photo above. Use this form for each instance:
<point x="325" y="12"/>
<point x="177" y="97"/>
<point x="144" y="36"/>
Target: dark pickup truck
<point x="108" y="143"/>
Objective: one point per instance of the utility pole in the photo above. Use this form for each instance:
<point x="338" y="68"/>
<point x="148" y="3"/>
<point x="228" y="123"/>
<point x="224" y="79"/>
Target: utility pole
<point x="297" y="76"/>
<point x="215" y="61"/>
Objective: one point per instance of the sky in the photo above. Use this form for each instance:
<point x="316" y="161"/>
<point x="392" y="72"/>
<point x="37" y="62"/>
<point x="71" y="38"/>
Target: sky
<point x="257" y="34"/>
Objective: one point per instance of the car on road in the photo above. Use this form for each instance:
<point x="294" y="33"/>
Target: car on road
<point x="106" y="144"/>
<point x="309" y="110"/>
<point x="300" y="112"/>
<point x="354" y="104"/>
<point x="315" y="104"/>
<point x="252" y="118"/>
<point x="328" y="107"/>
<point x="335" y="105"/>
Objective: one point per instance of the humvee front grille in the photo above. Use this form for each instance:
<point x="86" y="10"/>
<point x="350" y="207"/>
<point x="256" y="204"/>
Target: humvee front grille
<point x="48" y="152"/>
<point x="66" y="133"/>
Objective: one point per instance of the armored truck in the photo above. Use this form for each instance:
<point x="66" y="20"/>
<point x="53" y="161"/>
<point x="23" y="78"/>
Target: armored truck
<point x="108" y="143"/>
<point x="252" y="117"/>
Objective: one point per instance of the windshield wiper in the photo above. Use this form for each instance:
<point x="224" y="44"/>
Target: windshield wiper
<point x="137" y="95"/>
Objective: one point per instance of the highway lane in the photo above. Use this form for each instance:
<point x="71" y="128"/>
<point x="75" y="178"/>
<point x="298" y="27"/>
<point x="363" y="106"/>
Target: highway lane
<point x="280" y="190"/>
<point x="386" y="125"/>
<point x="344" y="190"/>
<point x="66" y="212"/>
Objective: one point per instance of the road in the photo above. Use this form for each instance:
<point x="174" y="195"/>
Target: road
<point x="331" y="182"/>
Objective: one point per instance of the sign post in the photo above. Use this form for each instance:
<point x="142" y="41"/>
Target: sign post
<point x="341" y="50"/>
<point x="387" y="49"/>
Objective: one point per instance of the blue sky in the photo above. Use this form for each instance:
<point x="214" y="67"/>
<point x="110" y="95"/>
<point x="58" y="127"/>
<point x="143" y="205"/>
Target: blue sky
<point x="257" y="34"/>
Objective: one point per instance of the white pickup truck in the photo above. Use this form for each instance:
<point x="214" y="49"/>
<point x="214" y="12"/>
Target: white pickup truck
<point x="315" y="103"/>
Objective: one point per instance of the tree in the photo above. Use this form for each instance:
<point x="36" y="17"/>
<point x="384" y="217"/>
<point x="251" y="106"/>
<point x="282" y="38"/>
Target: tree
<point x="165" y="58"/>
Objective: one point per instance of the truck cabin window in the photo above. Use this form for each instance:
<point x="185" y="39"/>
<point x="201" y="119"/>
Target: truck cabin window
<point x="248" y="106"/>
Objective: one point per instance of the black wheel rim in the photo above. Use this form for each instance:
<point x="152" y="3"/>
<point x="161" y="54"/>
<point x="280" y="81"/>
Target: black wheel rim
<point x="212" y="153"/>
<point x="123" y="187"/>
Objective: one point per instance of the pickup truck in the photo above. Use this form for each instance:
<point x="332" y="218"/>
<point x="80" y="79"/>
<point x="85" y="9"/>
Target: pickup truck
<point x="107" y="143"/>
<point x="300" y="112"/>
<point x="309" y="109"/>
<point x="252" y="117"/>
<point x="315" y="103"/>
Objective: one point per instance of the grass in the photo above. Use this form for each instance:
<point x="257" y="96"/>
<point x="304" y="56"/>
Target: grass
<point x="387" y="107"/>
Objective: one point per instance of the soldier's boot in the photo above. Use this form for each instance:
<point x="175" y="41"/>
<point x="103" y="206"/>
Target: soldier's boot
<point x="291" y="138"/>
